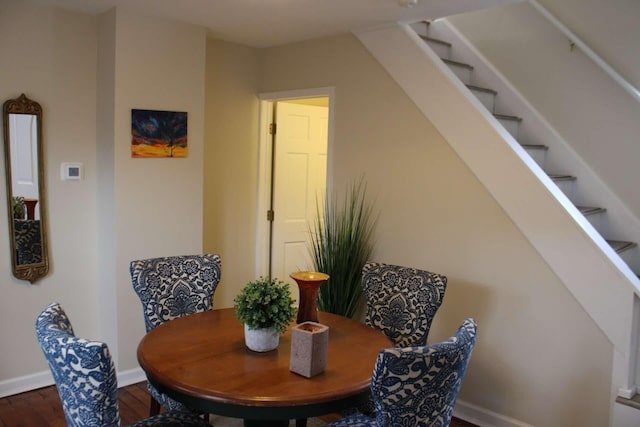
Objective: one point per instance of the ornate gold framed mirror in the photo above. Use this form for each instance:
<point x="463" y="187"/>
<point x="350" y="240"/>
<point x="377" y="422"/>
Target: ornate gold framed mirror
<point x="24" y="161"/>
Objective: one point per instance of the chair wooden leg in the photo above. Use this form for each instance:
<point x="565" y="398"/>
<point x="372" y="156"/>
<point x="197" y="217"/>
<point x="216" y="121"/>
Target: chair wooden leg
<point x="154" y="407"/>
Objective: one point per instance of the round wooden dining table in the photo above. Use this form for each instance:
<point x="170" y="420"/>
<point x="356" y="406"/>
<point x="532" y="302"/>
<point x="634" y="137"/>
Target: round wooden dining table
<point x="201" y="360"/>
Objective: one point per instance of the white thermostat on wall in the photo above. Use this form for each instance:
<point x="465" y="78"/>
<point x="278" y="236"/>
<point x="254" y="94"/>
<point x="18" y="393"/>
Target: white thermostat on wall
<point x="71" y="171"/>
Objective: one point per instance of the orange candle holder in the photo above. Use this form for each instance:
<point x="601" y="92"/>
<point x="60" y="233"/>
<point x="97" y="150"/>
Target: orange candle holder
<point x="308" y="284"/>
<point x="31" y="207"/>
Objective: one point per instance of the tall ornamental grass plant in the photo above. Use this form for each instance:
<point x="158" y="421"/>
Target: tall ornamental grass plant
<point x="341" y="244"/>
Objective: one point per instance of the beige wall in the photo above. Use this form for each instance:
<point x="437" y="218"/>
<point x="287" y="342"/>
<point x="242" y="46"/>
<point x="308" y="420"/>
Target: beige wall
<point x="159" y="65"/>
<point x="51" y="56"/>
<point x="231" y="164"/>
<point x="125" y="208"/>
<point x="434" y="214"/>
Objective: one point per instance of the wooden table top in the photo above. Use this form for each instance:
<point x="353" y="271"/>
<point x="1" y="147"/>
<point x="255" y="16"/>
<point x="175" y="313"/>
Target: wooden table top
<point x="202" y="360"/>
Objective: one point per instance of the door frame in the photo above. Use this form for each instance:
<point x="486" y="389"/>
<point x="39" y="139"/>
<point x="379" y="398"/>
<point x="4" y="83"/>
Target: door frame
<point x="267" y="99"/>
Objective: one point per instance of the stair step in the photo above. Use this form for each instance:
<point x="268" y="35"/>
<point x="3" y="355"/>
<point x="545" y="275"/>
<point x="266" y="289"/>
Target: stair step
<point x="634" y="402"/>
<point x="590" y="210"/>
<point x="510" y="123"/>
<point x="458" y="64"/>
<point x="440" y="47"/>
<point x="535" y="147"/>
<point x="482" y="89"/>
<point x="460" y="69"/>
<point x="507" y="117"/>
<point x="486" y="96"/>
<point x="592" y="214"/>
<point x="564" y="183"/>
<point x="537" y="152"/>
<point x="621" y="246"/>
<point x="437" y="41"/>
<point x="557" y="178"/>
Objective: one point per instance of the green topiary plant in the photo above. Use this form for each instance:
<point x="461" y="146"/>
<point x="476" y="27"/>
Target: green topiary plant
<point x="18" y="206"/>
<point x="265" y="303"/>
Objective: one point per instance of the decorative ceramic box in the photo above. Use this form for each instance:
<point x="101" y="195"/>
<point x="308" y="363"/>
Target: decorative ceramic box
<point x="309" y="341"/>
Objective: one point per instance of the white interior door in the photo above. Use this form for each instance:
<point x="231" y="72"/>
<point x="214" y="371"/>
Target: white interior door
<point x="300" y="176"/>
<point x="24" y="155"/>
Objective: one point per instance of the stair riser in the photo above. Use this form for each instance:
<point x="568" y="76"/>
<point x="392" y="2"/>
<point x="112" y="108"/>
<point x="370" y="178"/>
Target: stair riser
<point x="599" y="222"/>
<point x="511" y="126"/>
<point x="566" y="187"/>
<point x="631" y="257"/>
<point x="441" y="50"/>
<point x="463" y="73"/>
<point x="539" y="156"/>
<point x="420" y="28"/>
<point x="487" y="99"/>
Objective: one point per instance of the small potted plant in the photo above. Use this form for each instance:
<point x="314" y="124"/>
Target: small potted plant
<point x="18" y="206"/>
<point x="266" y="308"/>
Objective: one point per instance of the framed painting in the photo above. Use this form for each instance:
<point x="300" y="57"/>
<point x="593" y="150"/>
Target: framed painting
<point x="158" y="133"/>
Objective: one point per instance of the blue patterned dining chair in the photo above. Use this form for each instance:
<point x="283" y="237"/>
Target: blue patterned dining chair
<point x="417" y="386"/>
<point x="173" y="287"/>
<point x="402" y="301"/>
<point x="85" y="377"/>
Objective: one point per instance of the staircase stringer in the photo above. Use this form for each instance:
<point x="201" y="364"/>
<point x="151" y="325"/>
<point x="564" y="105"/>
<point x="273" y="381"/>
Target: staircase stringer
<point x="599" y="280"/>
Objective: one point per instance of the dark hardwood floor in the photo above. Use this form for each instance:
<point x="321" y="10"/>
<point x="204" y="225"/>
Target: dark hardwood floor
<point x="42" y="408"/>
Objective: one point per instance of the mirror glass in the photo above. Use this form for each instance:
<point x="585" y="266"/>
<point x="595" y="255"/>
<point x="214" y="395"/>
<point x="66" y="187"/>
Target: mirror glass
<point x="22" y="119"/>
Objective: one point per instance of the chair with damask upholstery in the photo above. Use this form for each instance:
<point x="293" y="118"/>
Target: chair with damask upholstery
<point x="417" y="386"/>
<point x="402" y="301"/>
<point x="85" y="377"/>
<point x="172" y="287"/>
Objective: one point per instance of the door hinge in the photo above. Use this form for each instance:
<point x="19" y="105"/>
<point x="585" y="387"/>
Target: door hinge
<point x="270" y="215"/>
<point x="272" y="128"/>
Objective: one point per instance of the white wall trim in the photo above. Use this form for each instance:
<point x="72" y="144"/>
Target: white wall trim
<point x="264" y="160"/>
<point x="484" y="417"/>
<point x="264" y="187"/>
<point x="297" y="93"/>
<point x="131" y="376"/>
<point x="25" y="383"/>
<point x="44" y="379"/>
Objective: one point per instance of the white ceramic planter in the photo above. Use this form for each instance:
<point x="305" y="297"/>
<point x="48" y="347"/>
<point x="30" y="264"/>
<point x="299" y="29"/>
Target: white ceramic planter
<point x="261" y="340"/>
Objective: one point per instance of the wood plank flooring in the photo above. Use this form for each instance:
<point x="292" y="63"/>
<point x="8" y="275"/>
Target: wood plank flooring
<point x="42" y="408"/>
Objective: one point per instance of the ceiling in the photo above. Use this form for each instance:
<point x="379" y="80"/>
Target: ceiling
<point x="265" y="23"/>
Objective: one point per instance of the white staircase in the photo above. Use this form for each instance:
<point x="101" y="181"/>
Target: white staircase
<point x="462" y="62"/>
<point x="463" y="67"/>
<point x="568" y="200"/>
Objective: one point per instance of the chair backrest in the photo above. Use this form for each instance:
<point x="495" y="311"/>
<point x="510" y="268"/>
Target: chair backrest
<point x="418" y="386"/>
<point x="175" y="286"/>
<point x="82" y="370"/>
<point x="402" y="301"/>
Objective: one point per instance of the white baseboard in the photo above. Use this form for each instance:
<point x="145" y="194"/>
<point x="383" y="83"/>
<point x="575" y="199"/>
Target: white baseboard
<point x="25" y="383"/>
<point x="463" y="410"/>
<point x="44" y="379"/>
<point x="483" y="417"/>
<point x="131" y="376"/>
